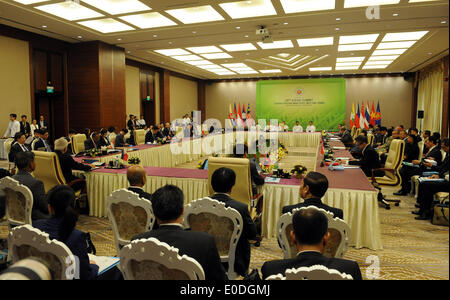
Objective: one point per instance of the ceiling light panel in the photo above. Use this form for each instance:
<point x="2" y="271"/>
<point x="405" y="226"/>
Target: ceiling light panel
<point x="198" y="62"/>
<point x="321" y="69"/>
<point x="186" y="57"/>
<point x="297" y="6"/>
<point x="199" y="14"/>
<point x="106" y="25"/>
<point x="270" y="71"/>
<point x="69" y="10"/>
<point x="26" y="2"/>
<point x="236" y="65"/>
<point x="276" y="45"/>
<point x="115" y="7"/>
<point x="211" y="66"/>
<point x="404" y="36"/>
<point x="347" y="68"/>
<point x="348" y="64"/>
<point x="249" y="9"/>
<point x="205" y="49"/>
<point x="323" y="41"/>
<point x="238" y="47"/>
<point x="375" y="67"/>
<point x="148" y="20"/>
<point x="355" y="47"/>
<point x="384" y="57"/>
<point x="217" y="55"/>
<point x="395" y="45"/>
<point x="380" y="62"/>
<point x="388" y="52"/>
<point x="350" y="59"/>
<point x="362" y="3"/>
<point x="172" y="52"/>
<point x="358" y="39"/>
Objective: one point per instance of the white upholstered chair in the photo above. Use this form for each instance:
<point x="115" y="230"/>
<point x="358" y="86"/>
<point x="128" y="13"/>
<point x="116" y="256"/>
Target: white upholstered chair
<point x="25" y="241"/>
<point x="150" y="259"/>
<point x="317" y="272"/>
<point x="19" y="202"/>
<point x="139" y="137"/>
<point x="8" y="144"/>
<point x="129" y="215"/>
<point x="339" y="234"/>
<point x="223" y="223"/>
<point x="77" y="143"/>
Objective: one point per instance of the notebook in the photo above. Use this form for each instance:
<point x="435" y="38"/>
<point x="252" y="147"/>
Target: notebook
<point x="104" y="263"/>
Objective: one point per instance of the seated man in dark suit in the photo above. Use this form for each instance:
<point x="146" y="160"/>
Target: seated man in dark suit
<point x="18" y="146"/>
<point x="137" y="177"/>
<point x="427" y="189"/>
<point x="42" y="144"/>
<point x="370" y="159"/>
<point x="313" y="188"/>
<point x="222" y="182"/>
<point x="153" y="135"/>
<point x="103" y="141"/>
<point x="168" y="208"/>
<point x="120" y="138"/>
<point x="311" y="237"/>
<point x="26" y="165"/>
<point x="420" y="166"/>
<point x="346" y="137"/>
<point x="93" y="142"/>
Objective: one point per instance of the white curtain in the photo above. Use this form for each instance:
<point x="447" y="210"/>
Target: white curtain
<point x="430" y="96"/>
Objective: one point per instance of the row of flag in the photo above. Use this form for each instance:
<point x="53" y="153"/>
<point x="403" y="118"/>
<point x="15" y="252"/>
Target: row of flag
<point x="362" y="118"/>
<point x="240" y="114"/>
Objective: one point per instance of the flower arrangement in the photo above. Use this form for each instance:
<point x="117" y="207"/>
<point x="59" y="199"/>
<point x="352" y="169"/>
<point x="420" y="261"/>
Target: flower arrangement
<point x="200" y="164"/>
<point x="161" y="141"/>
<point x="299" y="171"/>
<point x="134" y="160"/>
<point x="93" y="152"/>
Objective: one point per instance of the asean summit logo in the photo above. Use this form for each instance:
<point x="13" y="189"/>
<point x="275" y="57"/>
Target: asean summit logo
<point x="299" y="92"/>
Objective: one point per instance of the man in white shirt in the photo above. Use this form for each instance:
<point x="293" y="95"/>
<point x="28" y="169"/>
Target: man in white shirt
<point x="284" y="127"/>
<point x="13" y="127"/>
<point x="311" y="127"/>
<point x="297" y="128"/>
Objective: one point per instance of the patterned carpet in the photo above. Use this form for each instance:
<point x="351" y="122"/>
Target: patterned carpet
<point x="413" y="250"/>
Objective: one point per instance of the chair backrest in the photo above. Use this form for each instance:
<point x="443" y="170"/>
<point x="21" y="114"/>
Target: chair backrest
<point x="25" y="241"/>
<point x="394" y="159"/>
<point x="339" y="234"/>
<point x="112" y="137"/>
<point x="8" y="143"/>
<point x="48" y="169"/>
<point x="34" y="142"/>
<point x="420" y="145"/>
<point x="150" y="259"/>
<point x="370" y="138"/>
<point x="19" y="202"/>
<point x="316" y="272"/>
<point x="353" y="131"/>
<point x="129" y="215"/>
<point x="242" y="191"/>
<point x="77" y="141"/>
<point x="223" y="223"/>
<point x="139" y="137"/>
<point x="357" y="132"/>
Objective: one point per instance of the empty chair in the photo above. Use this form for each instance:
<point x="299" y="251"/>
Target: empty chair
<point x="19" y="202"/>
<point x="139" y="137"/>
<point x="77" y="142"/>
<point x="223" y="223"/>
<point x="129" y="215"/>
<point x="48" y="169"/>
<point x="150" y="259"/>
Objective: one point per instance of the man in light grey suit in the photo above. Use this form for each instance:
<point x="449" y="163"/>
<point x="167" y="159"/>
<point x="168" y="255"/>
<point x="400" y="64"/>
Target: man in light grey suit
<point x="26" y="165"/>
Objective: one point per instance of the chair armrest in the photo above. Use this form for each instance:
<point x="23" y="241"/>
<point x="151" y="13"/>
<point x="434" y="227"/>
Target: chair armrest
<point x="381" y="169"/>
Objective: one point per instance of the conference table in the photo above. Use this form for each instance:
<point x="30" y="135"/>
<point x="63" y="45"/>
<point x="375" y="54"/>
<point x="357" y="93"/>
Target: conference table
<point x="348" y="190"/>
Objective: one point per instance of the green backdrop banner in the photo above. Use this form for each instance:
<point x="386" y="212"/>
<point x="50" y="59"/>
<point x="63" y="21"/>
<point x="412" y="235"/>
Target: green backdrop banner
<point x="319" y="100"/>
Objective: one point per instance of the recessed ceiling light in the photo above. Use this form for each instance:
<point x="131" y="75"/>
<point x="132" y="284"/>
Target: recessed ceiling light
<point x="238" y="27"/>
<point x="321" y="69"/>
<point x="235" y="65"/>
<point x="69" y="10"/>
<point x="338" y="19"/>
<point x="194" y="32"/>
<point x="247" y="72"/>
<point x="430" y="53"/>
<point x="170" y="43"/>
<point x="204" y="49"/>
<point x="384" y="57"/>
<point x="375" y="67"/>
<point x="348" y="64"/>
<point x="128" y="52"/>
<point x="26" y="2"/>
<point x="337" y="29"/>
<point x="198" y="14"/>
<point x="246" y="35"/>
<point x="296" y="6"/>
<point x="388" y="52"/>
<point x="276" y="45"/>
<point x="119" y="39"/>
<point x="199" y="62"/>
<point x="404" y="36"/>
<point x="211" y="66"/>
<point x="106" y="25"/>
<point x="149" y="20"/>
<point x="186" y="57"/>
<point x="396" y="45"/>
<point x="115" y="7"/>
<point x="155" y="35"/>
<point x="238" y="47"/>
<point x="270" y="71"/>
<point x="444" y="22"/>
<point x="355" y="47"/>
<point x="172" y="52"/>
<point x="347" y="68"/>
<point x="217" y="55"/>
<point x="395" y="15"/>
<point x="324" y="41"/>
<point x="80" y="37"/>
<point x="362" y="3"/>
<point x="350" y="59"/>
<point x="248" y="9"/>
<point x="357" y="39"/>
<point x="378" y="63"/>
<point x="285" y="23"/>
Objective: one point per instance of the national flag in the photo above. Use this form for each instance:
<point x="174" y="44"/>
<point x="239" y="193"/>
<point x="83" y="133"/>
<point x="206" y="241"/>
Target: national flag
<point x="240" y="111"/>
<point x="249" y="116"/>
<point x="235" y="112"/>
<point x="124" y="155"/>
<point x="362" y="117"/>
<point x="357" y="118"/>
<point x="322" y="150"/>
<point x="244" y="114"/>
<point x="352" y="116"/>
<point x="378" y="115"/>
<point x="372" y="115"/>
<point x="367" y="116"/>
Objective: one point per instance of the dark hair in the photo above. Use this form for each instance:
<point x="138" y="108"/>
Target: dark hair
<point x="317" y="183"/>
<point x="38" y="131"/>
<point x="239" y="150"/>
<point x="18" y="135"/>
<point x="125" y="130"/>
<point x="24" y="159"/>
<point x="414" y="137"/>
<point x="389" y="132"/>
<point x="383" y="128"/>
<point x="13" y="115"/>
<point x="72" y="131"/>
<point x="362" y="139"/>
<point x="167" y="202"/>
<point x="61" y="198"/>
<point x="445" y="142"/>
<point x="414" y="129"/>
<point x="223" y="180"/>
<point x="103" y="131"/>
<point x="135" y="178"/>
<point x="364" y="132"/>
<point x="43" y="131"/>
<point x="23" y="116"/>
<point x="433" y="139"/>
<point x="86" y="132"/>
<point x="437" y="135"/>
<point x="310" y="226"/>
<point x="111" y="128"/>
<point x="370" y="126"/>
<point x="427" y="132"/>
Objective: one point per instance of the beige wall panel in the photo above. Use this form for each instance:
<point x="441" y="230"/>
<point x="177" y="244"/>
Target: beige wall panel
<point x="183" y="97"/>
<point x="132" y="91"/>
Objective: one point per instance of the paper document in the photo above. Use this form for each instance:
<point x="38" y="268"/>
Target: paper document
<point x="104" y="263"/>
<point x="272" y="180"/>
<point x="339" y="148"/>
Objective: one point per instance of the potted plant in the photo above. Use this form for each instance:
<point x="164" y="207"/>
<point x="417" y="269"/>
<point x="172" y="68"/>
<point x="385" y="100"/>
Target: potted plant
<point x="134" y="160"/>
<point x="299" y="171"/>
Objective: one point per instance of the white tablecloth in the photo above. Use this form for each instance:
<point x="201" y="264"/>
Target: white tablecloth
<point x="3" y="154"/>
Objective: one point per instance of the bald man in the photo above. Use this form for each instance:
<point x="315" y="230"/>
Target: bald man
<point x="137" y="177"/>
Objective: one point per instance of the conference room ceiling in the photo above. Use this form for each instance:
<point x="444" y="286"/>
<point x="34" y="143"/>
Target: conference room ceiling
<point x="218" y="40"/>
